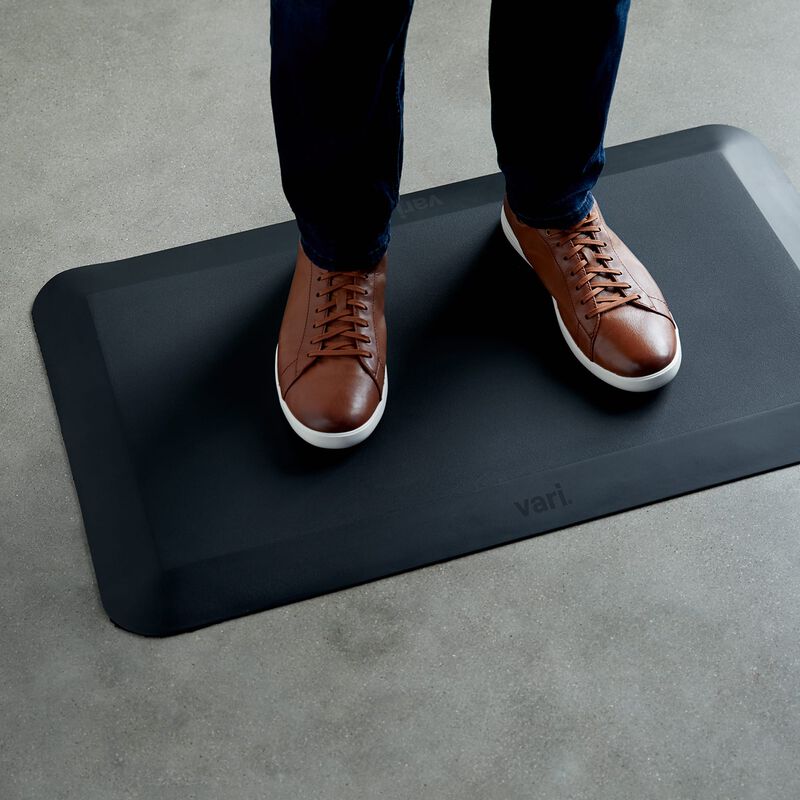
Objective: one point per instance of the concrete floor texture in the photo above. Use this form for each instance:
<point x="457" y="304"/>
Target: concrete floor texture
<point x="653" y="654"/>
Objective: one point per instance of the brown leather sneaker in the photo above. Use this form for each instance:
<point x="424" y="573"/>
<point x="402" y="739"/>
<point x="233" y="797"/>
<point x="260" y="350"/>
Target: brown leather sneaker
<point x="330" y="362"/>
<point x="609" y="308"/>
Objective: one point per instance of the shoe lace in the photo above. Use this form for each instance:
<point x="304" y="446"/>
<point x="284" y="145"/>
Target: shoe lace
<point x="340" y="333"/>
<point x="607" y="293"/>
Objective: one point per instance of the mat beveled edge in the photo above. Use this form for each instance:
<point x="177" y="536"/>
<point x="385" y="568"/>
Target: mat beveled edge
<point x="754" y="165"/>
<point x="181" y="259"/>
<point x="751" y="160"/>
<point x="450" y="197"/>
<point x="405" y="538"/>
<point x="103" y="474"/>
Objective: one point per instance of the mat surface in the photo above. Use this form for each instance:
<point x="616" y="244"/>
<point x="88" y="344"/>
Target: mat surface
<point x="200" y="503"/>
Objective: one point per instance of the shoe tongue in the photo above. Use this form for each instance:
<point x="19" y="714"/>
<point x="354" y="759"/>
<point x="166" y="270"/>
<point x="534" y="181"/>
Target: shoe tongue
<point x="588" y="252"/>
<point x="340" y="296"/>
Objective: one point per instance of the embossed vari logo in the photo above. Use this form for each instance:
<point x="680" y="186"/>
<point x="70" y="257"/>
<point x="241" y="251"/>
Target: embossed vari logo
<point x="539" y="503"/>
<point x="409" y="205"/>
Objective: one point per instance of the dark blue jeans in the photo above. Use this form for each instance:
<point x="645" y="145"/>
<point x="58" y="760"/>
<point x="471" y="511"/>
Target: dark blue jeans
<point x="337" y="83"/>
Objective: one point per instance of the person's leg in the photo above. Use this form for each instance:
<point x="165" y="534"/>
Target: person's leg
<point x="337" y="83"/>
<point x="552" y="69"/>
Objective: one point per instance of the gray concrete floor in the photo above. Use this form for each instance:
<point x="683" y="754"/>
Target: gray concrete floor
<point x="650" y="655"/>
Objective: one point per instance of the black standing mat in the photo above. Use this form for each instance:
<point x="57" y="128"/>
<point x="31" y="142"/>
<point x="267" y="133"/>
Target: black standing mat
<point x="201" y="504"/>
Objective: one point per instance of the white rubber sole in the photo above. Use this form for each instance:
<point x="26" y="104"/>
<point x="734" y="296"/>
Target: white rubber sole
<point x="643" y="383"/>
<point x="340" y="439"/>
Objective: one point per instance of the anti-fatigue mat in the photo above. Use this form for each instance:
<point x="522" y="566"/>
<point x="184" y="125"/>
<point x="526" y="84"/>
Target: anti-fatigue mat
<point x="201" y="504"/>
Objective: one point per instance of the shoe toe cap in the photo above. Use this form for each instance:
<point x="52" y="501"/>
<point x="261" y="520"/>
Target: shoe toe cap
<point x="636" y="344"/>
<point x="333" y="398"/>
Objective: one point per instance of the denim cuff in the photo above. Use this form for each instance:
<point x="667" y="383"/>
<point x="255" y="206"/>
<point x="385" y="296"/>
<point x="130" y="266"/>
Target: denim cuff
<point x="565" y="219"/>
<point x="343" y="261"/>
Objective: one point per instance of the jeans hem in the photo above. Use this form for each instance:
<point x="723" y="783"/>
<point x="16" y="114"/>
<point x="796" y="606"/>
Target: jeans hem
<point x="563" y="220"/>
<point x="363" y="262"/>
